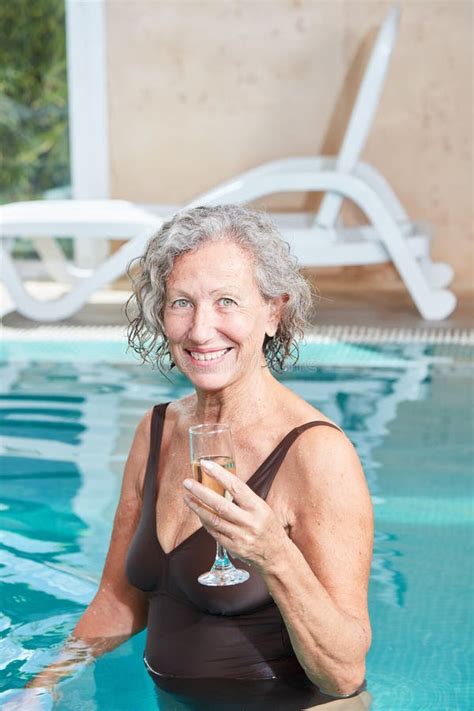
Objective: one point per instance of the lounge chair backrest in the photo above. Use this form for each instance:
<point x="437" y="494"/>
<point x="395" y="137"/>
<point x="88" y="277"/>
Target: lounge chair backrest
<point x="363" y="112"/>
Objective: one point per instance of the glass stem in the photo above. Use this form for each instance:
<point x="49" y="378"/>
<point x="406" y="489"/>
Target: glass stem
<point x="222" y="559"/>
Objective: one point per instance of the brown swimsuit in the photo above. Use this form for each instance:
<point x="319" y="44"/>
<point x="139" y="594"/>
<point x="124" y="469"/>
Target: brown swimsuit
<point x="213" y="648"/>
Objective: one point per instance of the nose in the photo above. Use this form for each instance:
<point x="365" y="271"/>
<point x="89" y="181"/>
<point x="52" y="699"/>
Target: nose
<point x="202" y="327"/>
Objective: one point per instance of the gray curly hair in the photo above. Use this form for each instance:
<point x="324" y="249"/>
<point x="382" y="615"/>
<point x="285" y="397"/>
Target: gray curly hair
<point x="276" y="274"/>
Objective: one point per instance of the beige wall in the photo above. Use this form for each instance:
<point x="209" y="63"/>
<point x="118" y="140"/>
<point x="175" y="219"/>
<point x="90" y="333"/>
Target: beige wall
<point x="199" y="91"/>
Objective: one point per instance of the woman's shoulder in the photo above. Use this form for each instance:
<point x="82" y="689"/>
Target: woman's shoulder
<point x="176" y="419"/>
<point x="295" y="411"/>
<point x="319" y="447"/>
<point x="327" y="462"/>
<point x="330" y="474"/>
<point x="144" y="427"/>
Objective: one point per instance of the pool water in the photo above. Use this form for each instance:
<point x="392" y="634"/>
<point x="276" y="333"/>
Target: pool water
<point x="68" y="416"/>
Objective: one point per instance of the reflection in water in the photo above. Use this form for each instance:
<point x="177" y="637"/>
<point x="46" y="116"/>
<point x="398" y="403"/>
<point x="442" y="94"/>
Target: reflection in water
<point x="364" y="402"/>
<point x="392" y="583"/>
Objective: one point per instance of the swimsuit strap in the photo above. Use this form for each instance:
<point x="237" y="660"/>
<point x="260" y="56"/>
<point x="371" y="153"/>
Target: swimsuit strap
<point x="156" y="434"/>
<point x="263" y="478"/>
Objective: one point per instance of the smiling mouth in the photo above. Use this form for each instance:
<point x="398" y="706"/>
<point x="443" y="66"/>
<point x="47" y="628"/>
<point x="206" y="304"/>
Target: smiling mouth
<point x="208" y="357"/>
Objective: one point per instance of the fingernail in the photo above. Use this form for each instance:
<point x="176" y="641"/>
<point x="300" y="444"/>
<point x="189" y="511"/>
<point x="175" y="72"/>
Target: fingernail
<point x="208" y="464"/>
<point x="188" y="484"/>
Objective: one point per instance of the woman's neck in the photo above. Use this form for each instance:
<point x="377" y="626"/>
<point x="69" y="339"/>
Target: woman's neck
<point x="240" y="403"/>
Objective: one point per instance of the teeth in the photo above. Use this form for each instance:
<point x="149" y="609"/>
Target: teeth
<point x="208" y="356"/>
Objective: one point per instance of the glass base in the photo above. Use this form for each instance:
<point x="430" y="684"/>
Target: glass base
<point x="224" y="576"/>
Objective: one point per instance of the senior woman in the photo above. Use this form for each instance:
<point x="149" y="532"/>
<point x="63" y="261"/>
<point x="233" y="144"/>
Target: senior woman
<point x="219" y="297"/>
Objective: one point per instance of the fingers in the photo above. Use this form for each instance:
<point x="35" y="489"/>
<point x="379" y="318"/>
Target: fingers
<point x="206" y="501"/>
<point x="241" y="526"/>
<point x="240" y="492"/>
<point x="220" y="504"/>
<point x="212" y="521"/>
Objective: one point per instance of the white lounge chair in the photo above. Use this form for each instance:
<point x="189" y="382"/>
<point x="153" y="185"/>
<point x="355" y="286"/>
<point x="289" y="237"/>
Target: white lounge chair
<point x="317" y="239"/>
<point x="42" y="220"/>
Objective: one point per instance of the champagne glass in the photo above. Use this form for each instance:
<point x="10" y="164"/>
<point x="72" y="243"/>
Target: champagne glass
<point x="214" y="442"/>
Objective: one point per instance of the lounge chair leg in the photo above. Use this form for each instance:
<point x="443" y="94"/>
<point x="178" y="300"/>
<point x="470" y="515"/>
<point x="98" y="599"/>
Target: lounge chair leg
<point x="53" y="260"/>
<point x="438" y="274"/>
<point x="434" y="304"/>
<point x="69" y="303"/>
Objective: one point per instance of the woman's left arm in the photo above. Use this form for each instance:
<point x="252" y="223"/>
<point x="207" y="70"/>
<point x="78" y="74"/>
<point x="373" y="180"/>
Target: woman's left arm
<point x="320" y="584"/>
<point x="319" y="575"/>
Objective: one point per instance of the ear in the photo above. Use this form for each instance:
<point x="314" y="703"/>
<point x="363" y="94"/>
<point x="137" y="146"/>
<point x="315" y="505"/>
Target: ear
<point x="276" y="306"/>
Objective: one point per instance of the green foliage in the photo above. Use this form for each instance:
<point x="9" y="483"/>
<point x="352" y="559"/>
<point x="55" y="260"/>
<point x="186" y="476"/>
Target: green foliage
<point x="33" y="98"/>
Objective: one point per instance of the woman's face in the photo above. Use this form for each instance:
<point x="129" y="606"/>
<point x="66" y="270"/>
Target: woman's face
<point x="215" y="318"/>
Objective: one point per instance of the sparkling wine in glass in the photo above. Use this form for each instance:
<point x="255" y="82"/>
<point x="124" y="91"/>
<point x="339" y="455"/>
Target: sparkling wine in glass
<point x="214" y="442"/>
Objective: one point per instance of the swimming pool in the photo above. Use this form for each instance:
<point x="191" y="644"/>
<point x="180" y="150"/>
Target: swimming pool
<point x="68" y="414"/>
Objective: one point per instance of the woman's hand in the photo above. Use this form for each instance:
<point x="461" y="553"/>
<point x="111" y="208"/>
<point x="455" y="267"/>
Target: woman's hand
<point x="246" y="526"/>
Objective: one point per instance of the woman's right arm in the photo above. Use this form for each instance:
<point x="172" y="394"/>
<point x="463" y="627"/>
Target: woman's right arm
<point x="118" y="610"/>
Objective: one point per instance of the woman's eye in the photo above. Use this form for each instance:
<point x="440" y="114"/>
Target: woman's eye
<point x="180" y="303"/>
<point x="226" y="301"/>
